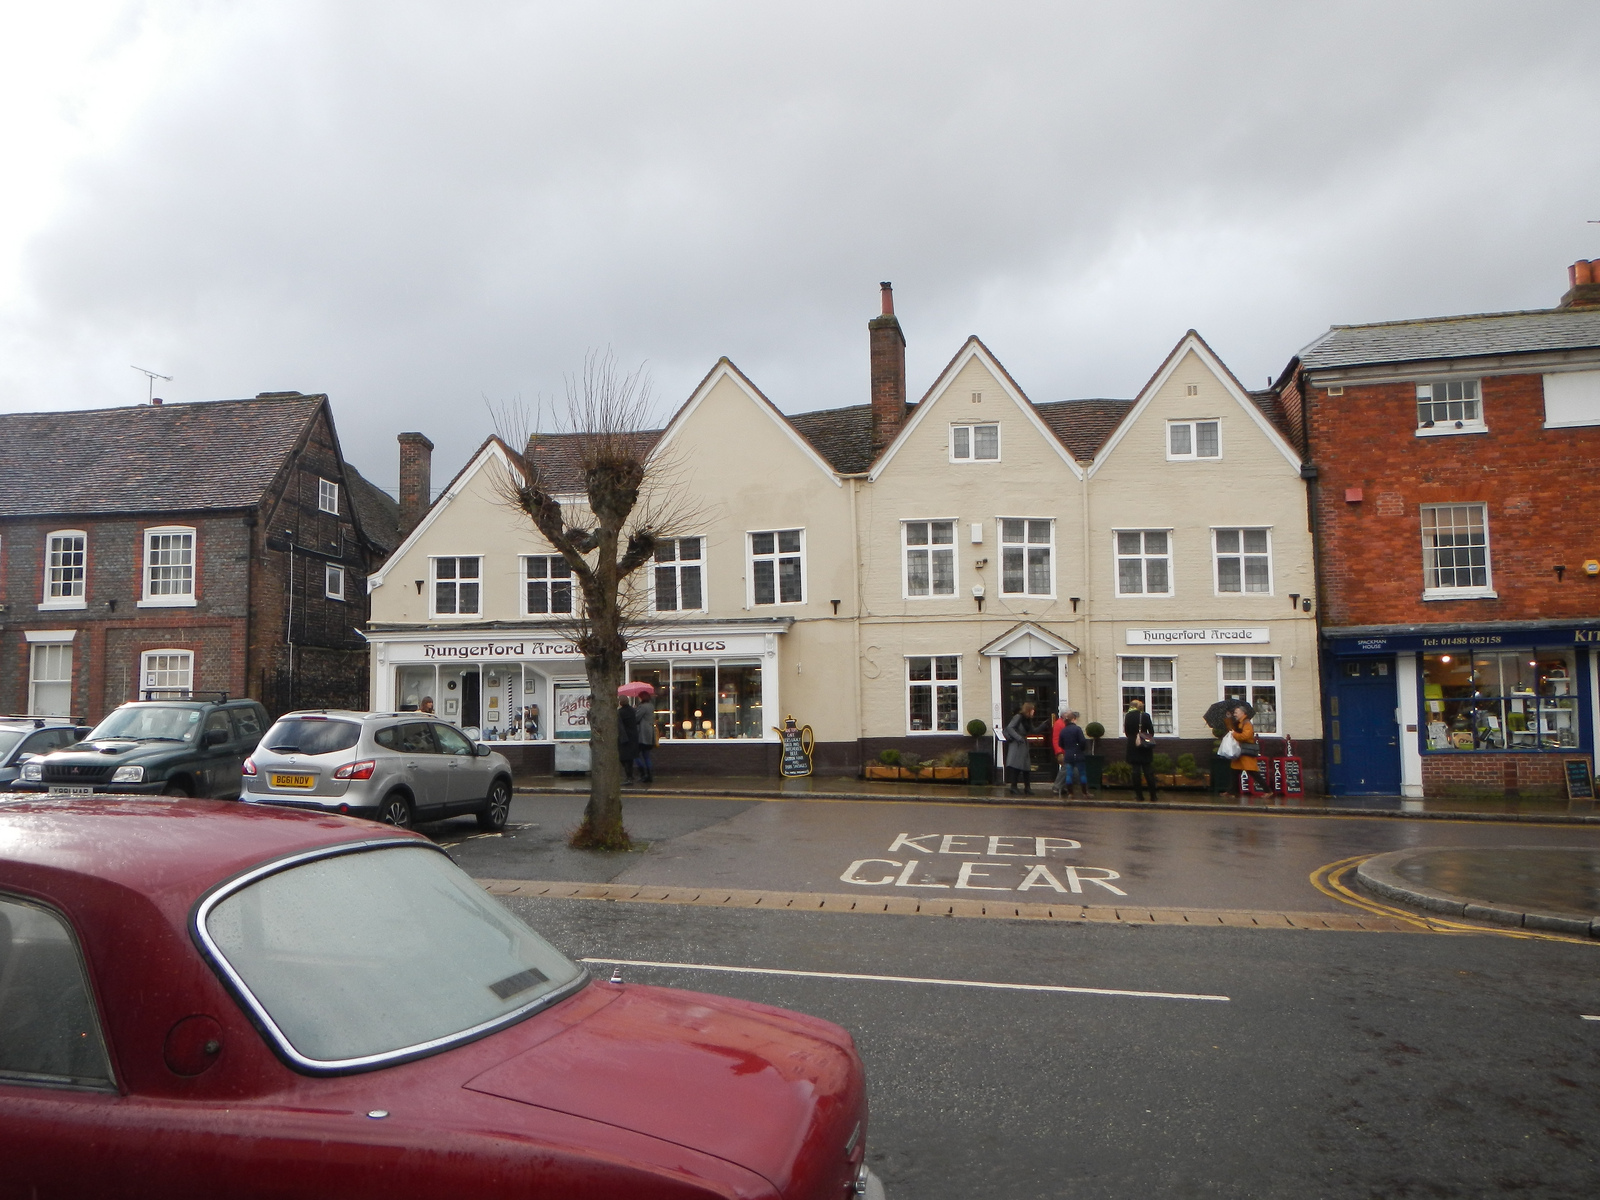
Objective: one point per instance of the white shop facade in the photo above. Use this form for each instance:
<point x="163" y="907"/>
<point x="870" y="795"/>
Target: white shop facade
<point x="714" y="681"/>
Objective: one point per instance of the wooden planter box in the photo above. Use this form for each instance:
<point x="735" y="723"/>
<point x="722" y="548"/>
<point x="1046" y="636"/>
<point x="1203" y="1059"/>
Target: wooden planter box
<point x="925" y="774"/>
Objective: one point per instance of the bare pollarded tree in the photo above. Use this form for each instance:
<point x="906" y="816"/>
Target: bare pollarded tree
<point x="602" y="496"/>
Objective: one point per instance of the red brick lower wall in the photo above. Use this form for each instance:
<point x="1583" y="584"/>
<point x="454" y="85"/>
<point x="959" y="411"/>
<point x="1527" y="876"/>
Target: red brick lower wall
<point x="1493" y="774"/>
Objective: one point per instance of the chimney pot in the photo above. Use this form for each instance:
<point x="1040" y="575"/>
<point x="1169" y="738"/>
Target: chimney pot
<point x="155" y="401"/>
<point x="888" y="299"/>
<point x="1583" y="277"/>
<point x="416" y="479"/>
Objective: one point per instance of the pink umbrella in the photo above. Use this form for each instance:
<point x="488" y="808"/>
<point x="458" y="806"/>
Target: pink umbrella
<point x="637" y="688"/>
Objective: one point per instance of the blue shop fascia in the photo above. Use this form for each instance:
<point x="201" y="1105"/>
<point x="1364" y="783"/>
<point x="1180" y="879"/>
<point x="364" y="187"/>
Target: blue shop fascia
<point x="1400" y="700"/>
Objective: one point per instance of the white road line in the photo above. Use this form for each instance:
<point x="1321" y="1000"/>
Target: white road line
<point x="1588" y="1018"/>
<point x="971" y="983"/>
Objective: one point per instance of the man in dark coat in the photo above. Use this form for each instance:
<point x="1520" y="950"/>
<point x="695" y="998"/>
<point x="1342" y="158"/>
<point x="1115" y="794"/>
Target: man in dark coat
<point x="645" y="711"/>
<point x="1071" y="748"/>
<point x="627" y="737"/>
<point x="1140" y="731"/>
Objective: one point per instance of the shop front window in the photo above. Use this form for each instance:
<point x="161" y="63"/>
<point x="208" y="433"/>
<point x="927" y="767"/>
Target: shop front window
<point x="1255" y="681"/>
<point x="704" y="700"/>
<point x="1500" y="700"/>
<point x="1151" y="680"/>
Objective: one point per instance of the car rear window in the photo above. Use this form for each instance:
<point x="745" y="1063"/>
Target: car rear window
<point x="311" y="735"/>
<point x="363" y="957"/>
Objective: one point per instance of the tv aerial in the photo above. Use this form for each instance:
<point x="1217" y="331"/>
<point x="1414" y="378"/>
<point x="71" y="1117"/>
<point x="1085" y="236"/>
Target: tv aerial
<point x="152" y="376"/>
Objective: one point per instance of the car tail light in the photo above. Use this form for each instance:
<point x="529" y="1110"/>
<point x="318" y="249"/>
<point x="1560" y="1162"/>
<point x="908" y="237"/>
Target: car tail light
<point x="356" y="770"/>
<point x="249" y="766"/>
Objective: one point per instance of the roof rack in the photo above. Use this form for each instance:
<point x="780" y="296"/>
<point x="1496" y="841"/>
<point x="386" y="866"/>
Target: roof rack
<point x="182" y="694"/>
<point x="40" y="719"/>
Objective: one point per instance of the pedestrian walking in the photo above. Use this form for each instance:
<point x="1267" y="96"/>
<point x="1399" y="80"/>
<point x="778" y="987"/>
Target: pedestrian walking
<point x="645" y="711"/>
<point x="627" y="737"/>
<point x="1072" y="748"/>
<point x="1140" y="731"/>
<point x="1249" y="760"/>
<point x="1019" y="769"/>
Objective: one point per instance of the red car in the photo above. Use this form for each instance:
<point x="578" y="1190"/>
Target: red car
<point x="204" y="999"/>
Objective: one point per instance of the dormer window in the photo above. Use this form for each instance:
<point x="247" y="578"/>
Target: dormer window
<point x="1449" y="406"/>
<point x="328" y="496"/>
<point x="1194" y="439"/>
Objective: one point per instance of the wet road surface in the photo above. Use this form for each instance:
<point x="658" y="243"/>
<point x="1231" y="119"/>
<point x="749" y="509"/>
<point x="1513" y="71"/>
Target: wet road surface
<point x="1223" y="860"/>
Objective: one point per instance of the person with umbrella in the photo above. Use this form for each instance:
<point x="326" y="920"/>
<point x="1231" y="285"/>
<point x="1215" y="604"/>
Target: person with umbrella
<point x="1249" y="761"/>
<point x="627" y="732"/>
<point x="644" y="709"/>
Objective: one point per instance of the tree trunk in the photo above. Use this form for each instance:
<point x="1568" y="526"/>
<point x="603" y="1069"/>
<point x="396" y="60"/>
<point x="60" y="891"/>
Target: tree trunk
<point x="603" y="816"/>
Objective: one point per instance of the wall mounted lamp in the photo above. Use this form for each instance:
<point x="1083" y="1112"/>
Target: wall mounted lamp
<point x="835" y="604"/>
<point x="977" y="594"/>
<point x="1074" y="600"/>
<point x="1294" y="599"/>
<point x="1560" y="571"/>
<point x="419" y="587"/>
<point x="1305" y="605"/>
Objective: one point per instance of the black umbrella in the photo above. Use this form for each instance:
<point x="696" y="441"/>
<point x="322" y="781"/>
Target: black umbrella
<point x="1216" y="715"/>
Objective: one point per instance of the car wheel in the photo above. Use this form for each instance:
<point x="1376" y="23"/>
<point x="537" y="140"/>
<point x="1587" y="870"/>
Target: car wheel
<point x="395" y="810"/>
<point x="176" y="789"/>
<point x="492" y="816"/>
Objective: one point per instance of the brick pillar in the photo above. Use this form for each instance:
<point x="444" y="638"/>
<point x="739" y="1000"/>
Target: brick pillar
<point x="416" y="479"/>
<point x="888" y="373"/>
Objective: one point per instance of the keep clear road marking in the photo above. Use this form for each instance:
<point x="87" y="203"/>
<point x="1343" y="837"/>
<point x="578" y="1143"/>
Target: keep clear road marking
<point x="971" y="983"/>
<point x="1589" y="1018"/>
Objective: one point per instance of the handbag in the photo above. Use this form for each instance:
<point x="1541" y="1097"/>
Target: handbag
<point x="1228" y="748"/>
<point x="1141" y="738"/>
<point x="1248" y="749"/>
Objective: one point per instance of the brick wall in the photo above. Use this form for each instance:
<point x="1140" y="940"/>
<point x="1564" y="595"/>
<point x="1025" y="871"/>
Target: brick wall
<point x="1493" y="775"/>
<point x="1541" y="504"/>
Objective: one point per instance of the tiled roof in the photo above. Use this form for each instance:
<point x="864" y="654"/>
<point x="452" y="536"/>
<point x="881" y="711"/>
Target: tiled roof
<point x="556" y="457"/>
<point x="1454" y="337"/>
<point x="843" y="436"/>
<point x="220" y="454"/>
<point x="1083" y="425"/>
<point x="378" y="511"/>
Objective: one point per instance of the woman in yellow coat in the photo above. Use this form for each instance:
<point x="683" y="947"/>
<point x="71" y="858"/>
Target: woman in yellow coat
<point x="1245" y="733"/>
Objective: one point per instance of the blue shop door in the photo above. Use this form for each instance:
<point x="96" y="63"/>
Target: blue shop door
<point x="1363" y="735"/>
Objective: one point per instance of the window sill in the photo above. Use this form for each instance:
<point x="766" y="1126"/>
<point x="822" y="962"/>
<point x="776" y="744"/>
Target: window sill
<point x="167" y="602"/>
<point x="59" y="605"/>
<point x="455" y="616"/>
<point x="1452" y="431"/>
<point x="1460" y="594"/>
<point x="1145" y="595"/>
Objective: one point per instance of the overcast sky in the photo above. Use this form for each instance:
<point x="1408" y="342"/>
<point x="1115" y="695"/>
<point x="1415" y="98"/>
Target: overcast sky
<point x="421" y="208"/>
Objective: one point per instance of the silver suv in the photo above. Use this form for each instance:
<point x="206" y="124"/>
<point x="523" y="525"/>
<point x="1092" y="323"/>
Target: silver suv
<point x="394" y="767"/>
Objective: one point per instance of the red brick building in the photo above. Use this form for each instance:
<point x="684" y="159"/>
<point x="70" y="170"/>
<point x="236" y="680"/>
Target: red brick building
<point x="1457" y="520"/>
<point x="215" y="546"/>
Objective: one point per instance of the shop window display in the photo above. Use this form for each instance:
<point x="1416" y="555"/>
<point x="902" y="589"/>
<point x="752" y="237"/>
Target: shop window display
<point x="698" y="702"/>
<point x="1500" y="700"/>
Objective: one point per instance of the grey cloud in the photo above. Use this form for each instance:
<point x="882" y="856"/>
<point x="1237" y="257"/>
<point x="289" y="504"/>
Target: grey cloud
<point x="415" y="207"/>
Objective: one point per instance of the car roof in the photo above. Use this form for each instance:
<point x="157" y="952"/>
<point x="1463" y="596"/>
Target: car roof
<point x="345" y="714"/>
<point x="171" y="850"/>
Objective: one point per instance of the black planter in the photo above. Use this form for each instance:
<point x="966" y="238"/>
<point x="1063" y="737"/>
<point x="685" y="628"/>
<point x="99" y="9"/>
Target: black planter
<point x="1097" y="765"/>
<point x="980" y="766"/>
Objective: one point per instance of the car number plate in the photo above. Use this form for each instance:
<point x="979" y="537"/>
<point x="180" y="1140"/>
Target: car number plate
<point x="294" y="781"/>
<point x="64" y="789"/>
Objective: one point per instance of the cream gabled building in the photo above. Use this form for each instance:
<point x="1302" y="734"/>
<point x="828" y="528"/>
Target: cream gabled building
<point x="888" y="572"/>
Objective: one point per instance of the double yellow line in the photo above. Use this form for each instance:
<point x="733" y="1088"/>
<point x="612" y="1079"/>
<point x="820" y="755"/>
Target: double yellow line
<point x="1330" y="881"/>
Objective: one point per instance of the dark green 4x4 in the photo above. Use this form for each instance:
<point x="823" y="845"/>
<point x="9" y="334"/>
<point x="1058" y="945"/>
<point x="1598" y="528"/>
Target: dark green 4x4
<point x="157" y="747"/>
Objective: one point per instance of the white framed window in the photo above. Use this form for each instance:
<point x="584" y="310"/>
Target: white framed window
<point x="328" y="496"/>
<point x="546" y="586"/>
<point x="1027" y="566"/>
<point x="166" y="672"/>
<point x="168" y="567"/>
<point x="778" y="567"/>
<point x="975" y="443"/>
<point x="679" y="583"/>
<point x="1187" y="440"/>
<point x="65" y="569"/>
<point x="1455" y="552"/>
<point x="929" y="558"/>
<point x="933" y="693"/>
<point x="50" y="679"/>
<point x="333" y="582"/>
<point x="458" y="586"/>
<point x="1253" y="678"/>
<point x="1154" y="681"/>
<point x="1243" y="561"/>
<point x="1449" y="406"/>
<point x="1144" y="562"/>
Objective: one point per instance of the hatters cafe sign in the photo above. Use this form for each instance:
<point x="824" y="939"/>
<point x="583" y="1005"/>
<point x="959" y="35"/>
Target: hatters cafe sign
<point x="1202" y="636"/>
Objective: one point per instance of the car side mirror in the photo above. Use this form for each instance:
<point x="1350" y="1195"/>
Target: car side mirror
<point x="481" y="750"/>
<point x="214" y="737"/>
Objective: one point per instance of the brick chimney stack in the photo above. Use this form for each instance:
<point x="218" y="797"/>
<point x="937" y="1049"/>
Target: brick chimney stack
<point x="416" y="479"/>
<point x="888" y="373"/>
<point x="1584" y="277"/>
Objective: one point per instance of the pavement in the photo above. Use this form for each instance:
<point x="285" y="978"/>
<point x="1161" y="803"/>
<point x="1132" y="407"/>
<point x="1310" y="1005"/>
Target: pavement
<point x="1556" y="889"/>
